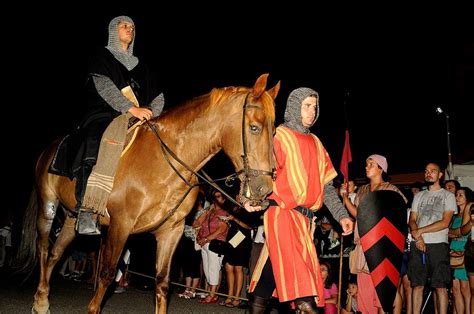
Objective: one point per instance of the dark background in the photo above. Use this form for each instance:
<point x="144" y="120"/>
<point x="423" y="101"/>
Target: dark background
<point x="386" y="72"/>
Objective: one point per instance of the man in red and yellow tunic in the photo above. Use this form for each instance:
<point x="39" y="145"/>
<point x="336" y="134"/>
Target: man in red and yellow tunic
<point x="288" y="267"/>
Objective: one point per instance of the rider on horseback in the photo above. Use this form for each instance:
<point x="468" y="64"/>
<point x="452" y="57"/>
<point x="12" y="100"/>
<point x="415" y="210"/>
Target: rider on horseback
<point x="112" y="73"/>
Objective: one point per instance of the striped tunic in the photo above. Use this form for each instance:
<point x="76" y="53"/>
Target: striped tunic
<point x="303" y="168"/>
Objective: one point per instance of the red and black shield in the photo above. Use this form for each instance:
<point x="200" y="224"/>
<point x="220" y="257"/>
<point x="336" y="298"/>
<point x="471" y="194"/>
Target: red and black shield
<point x="382" y="223"/>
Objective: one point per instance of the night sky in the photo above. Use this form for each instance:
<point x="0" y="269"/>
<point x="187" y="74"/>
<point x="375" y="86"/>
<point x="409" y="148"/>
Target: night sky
<point x="386" y="74"/>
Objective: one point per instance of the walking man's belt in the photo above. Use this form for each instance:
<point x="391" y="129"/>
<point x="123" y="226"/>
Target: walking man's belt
<point x="305" y="211"/>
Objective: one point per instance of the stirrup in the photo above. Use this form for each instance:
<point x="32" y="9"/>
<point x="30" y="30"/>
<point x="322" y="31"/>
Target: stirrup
<point x="86" y="224"/>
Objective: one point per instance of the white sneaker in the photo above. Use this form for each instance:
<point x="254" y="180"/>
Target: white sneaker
<point x="187" y="294"/>
<point x="202" y="295"/>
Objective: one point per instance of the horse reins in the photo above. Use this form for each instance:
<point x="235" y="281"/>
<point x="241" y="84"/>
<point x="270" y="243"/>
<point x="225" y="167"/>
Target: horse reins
<point x="249" y="172"/>
<point x="246" y="170"/>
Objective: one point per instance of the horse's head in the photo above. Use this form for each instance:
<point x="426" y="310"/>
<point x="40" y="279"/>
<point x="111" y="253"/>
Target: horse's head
<point x="248" y="139"/>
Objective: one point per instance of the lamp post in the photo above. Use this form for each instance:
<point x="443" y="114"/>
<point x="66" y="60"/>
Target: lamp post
<point x="440" y="110"/>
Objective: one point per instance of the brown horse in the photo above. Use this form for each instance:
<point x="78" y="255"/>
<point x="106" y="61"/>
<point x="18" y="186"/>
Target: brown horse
<point x="152" y="192"/>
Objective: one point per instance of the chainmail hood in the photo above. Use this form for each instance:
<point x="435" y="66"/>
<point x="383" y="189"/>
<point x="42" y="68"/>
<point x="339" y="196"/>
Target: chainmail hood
<point x="126" y="58"/>
<point x="293" y="109"/>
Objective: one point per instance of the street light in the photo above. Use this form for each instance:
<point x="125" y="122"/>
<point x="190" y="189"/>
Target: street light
<point x="440" y="110"/>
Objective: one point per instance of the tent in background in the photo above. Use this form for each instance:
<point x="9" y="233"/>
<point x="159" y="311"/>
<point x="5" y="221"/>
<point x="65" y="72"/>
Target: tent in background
<point x="464" y="173"/>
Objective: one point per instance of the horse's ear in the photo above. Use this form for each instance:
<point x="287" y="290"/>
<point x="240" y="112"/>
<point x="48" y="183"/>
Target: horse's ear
<point x="274" y="91"/>
<point x="260" y="85"/>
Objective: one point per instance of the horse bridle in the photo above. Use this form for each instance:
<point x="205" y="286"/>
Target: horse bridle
<point x="246" y="170"/>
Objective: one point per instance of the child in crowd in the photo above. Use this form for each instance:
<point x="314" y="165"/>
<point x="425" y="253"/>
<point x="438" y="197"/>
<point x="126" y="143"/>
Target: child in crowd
<point x="330" y="289"/>
<point x="351" y="304"/>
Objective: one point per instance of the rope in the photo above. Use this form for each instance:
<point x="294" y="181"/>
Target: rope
<point x="181" y="285"/>
<point x="96" y="279"/>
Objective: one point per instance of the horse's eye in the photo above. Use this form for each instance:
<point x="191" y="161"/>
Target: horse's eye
<point x="254" y="129"/>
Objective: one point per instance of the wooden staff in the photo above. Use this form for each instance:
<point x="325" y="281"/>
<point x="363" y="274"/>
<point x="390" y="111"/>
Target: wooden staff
<point x="340" y="276"/>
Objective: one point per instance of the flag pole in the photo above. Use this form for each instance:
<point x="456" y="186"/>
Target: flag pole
<point x="346" y="156"/>
<point x="344" y="168"/>
<point x="346" y="100"/>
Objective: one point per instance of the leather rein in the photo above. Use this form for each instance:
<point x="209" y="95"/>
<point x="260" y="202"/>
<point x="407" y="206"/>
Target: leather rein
<point x="248" y="173"/>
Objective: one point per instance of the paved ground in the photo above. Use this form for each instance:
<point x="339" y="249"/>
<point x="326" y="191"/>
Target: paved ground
<point x="70" y="297"/>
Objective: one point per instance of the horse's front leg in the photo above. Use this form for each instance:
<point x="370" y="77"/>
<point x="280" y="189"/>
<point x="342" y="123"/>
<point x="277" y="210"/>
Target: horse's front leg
<point x="114" y="243"/>
<point x="166" y="243"/>
<point x="47" y="211"/>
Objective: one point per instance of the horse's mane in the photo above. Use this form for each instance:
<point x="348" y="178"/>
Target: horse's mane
<point x="215" y="98"/>
<point x="221" y="93"/>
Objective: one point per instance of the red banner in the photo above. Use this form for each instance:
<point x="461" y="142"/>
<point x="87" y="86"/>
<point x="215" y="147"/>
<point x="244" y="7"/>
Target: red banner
<point x="346" y="158"/>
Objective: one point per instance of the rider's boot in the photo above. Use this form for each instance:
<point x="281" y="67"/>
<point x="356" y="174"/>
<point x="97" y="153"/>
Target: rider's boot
<point x="87" y="222"/>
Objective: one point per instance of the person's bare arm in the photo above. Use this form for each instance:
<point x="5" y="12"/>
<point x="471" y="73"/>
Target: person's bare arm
<point x="420" y="244"/>
<point x="435" y="226"/>
<point x="465" y="225"/>
<point x="198" y="222"/>
<point x="222" y="227"/>
<point x="349" y="303"/>
<point x="332" y="299"/>
<point x="351" y="208"/>
<point x="412" y="224"/>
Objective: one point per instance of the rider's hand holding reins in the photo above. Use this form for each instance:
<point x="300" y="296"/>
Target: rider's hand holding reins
<point x="141" y="113"/>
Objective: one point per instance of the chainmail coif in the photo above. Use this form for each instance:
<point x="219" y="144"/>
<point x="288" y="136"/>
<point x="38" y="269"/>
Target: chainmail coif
<point x="126" y="58"/>
<point x="293" y="119"/>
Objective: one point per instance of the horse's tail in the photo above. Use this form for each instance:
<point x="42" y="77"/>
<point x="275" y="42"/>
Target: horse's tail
<point x="25" y="257"/>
